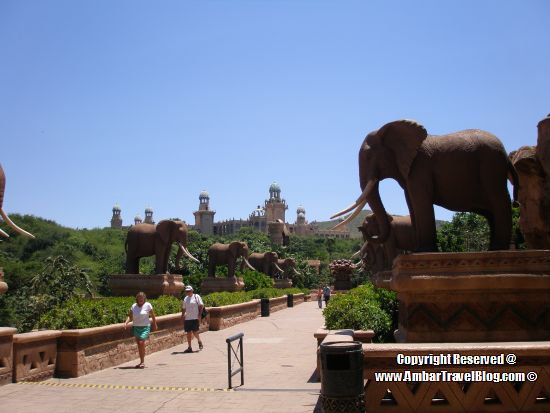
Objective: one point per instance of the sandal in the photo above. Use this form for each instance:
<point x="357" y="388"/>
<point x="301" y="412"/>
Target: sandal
<point x="200" y="345"/>
<point x="189" y="350"/>
<point x="140" y="366"/>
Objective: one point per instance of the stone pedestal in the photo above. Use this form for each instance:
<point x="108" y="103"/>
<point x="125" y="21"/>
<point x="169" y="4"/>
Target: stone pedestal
<point x="153" y="286"/>
<point x="3" y="285"/>
<point x="282" y="283"/>
<point x="342" y="270"/>
<point x="214" y="285"/>
<point x="473" y="297"/>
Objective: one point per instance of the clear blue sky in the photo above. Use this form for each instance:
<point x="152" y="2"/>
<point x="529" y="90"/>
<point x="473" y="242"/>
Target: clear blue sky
<point x="146" y="103"/>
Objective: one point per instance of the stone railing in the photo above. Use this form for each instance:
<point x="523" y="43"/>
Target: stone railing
<point x="229" y="315"/>
<point x="72" y="353"/>
<point x="421" y="389"/>
<point x="34" y="355"/>
<point x="86" y="350"/>
<point x="6" y="354"/>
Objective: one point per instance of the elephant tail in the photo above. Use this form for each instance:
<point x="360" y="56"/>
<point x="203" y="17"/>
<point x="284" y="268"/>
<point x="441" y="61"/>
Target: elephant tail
<point x="514" y="180"/>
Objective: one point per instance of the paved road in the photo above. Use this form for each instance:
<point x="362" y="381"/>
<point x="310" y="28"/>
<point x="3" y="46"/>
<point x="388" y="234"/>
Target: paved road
<point x="279" y="356"/>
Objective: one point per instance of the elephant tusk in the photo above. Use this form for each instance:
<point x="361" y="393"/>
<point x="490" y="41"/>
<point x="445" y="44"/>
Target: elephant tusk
<point x="296" y="272"/>
<point x="248" y="264"/>
<point x="355" y="254"/>
<point x="4" y="234"/>
<point x="15" y="227"/>
<point x="279" y="268"/>
<point x="188" y="254"/>
<point x="358" y="264"/>
<point x="363" y="197"/>
<point x="361" y="201"/>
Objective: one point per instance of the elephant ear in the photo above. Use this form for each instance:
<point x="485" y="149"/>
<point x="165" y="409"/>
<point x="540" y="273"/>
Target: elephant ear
<point x="234" y="248"/>
<point x="403" y="138"/>
<point x="163" y="230"/>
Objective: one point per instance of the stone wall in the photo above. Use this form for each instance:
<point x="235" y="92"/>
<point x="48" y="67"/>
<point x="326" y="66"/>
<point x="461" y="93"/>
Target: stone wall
<point x="87" y="350"/>
<point x="229" y="315"/>
<point x="34" y="355"/>
<point x="6" y="354"/>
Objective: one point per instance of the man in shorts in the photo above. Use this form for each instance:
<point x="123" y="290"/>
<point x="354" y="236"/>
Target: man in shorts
<point x="191" y="310"/>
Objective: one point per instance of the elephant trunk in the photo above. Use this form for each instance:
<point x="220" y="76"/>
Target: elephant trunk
<point x="187" y="253"/>
<point x="379" y="211"/>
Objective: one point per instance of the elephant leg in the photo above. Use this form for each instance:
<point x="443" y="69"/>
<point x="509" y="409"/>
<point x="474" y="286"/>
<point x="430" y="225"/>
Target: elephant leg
<point x="501" y="226"/>
<point x="423" y="219"/>
<point x="132" y="264"/>
<point x="231" y="268"/>
<point x="160" y="265"/>
<point x="211" y="267"/>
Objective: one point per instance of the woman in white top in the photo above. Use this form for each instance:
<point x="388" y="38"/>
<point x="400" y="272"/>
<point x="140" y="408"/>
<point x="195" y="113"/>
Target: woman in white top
<point x="141" y="326"/>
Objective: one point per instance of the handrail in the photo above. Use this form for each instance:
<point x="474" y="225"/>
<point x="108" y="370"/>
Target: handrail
<point x="239" y="359"/>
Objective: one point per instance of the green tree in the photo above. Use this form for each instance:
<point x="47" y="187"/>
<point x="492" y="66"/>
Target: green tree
<point x="466" y="232"/>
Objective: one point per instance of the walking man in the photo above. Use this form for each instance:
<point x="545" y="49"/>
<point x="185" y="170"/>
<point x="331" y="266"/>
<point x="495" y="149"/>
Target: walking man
<point x="191" y="312"/>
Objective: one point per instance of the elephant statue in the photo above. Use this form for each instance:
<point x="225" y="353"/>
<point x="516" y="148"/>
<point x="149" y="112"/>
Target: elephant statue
<point x="227" y="254"/>
<point x="144" y="240"/>
<point x="464" y="171"/>
<point x="400" y="239"/>
<point x="265" y="262"/>
<point x="4" y="215"/>
<point x="288" y="265"/>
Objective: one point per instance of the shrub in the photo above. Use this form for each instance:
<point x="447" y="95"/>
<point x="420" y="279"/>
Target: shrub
<point x="254" y="280"/>
<point x="86" y="313"/>
<point x="363" y="308"/>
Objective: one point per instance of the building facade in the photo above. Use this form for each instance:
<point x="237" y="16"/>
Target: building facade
<point x="269" y="219"/>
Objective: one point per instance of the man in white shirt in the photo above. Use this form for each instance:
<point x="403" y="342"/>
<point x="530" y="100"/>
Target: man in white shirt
<point x="191" y="312"/>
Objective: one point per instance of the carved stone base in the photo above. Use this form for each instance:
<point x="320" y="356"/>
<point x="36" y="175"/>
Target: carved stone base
<point x="282" y="283"/>
<point x="342" y="285"/>
<point x="473" y="297"/>
<point x="153" y="286"/>
<point x="382" y="279"/>
<point x="214" y="285"/>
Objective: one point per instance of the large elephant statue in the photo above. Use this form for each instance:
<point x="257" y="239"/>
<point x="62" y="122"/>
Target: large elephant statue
<point x="288" y="265"/>
<point x="144" y="240"/>
<point x="265" y="262"/>
<point x="4" y="215"/>
<point x="227" y="254"/>
<point x="464" y="171"/>
<point x="400" y="239"/>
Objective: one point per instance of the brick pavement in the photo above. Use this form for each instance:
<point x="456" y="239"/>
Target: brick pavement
<point x="279" y="356"/>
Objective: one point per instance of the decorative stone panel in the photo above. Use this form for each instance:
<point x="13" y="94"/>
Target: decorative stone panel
<point x="444" y="396"/>
<point x="34" y="355"/>
<point x="473" y="297"/>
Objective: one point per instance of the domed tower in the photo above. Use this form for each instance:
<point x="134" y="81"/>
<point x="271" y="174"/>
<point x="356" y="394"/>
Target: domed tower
<point x="257" y="219"/>
<point x="116" y="220"/>
<point x="275" y="206"/>
<point x="149" y="216"/>
<point x="204" y="217"/>
<point x="301" y="216"/>
<point x="137" y="220"/>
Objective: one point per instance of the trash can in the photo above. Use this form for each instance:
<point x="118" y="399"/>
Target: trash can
<point x="290" y="300"/>
<point x="342" y="388"/>
<point x="264" y="304"/>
